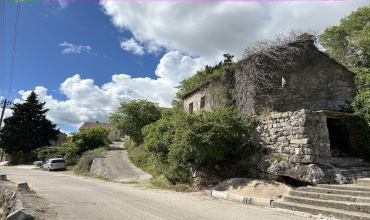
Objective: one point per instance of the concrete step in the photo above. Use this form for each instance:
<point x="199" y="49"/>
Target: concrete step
<point x="316" y="210"/>
<point x="349" y="187"/>
<point x="356" y="172"/>
<point x="334" y="191"/>
<point x="348" y="206"/>
<point x="363" y="182"/>
<point x="336" y="197"/>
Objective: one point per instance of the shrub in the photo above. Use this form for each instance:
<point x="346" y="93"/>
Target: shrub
<point x="77" y="144"/>
<point x="17" y="157"/>
<point x="182" y="142"/>
<point x="84" y="163"/>
<point x="131" y="117"/>
<point x="89" y="139"/>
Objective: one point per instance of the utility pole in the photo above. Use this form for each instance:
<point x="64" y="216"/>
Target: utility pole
<point x="4" y="103"/>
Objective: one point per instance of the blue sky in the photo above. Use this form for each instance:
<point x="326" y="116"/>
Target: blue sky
<point x="84" y="58"/>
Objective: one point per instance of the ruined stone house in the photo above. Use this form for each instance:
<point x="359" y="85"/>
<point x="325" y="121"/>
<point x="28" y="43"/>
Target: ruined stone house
<point x="297" y="92"/>
<point x="113" y="134"/>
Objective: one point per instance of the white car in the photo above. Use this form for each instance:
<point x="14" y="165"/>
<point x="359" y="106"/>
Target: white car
<point x="55" y="164"/>
<point x="37" y="163"/>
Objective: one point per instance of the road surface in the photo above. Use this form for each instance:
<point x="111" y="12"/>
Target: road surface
<point x="120" y="168"/>
<point x="74" y="198"/>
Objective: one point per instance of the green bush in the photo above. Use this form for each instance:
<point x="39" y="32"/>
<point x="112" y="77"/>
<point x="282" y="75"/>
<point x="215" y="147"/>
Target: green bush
<point x="183" y="142"/>
<point x="84" y="163"/>
<point x="17" y="157"/>
<point x="131" y="117"/>
<point x="89" y="139"/>
<point x="46" y="154"/>
<point x="72" y="149"/>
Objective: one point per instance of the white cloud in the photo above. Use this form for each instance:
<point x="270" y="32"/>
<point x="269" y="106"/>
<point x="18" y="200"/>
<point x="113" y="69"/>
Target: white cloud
<point x="204" y="30"/>
<point x="63" y="4"/>
<point x="132" y="45"/>
<point x="71" y="48"/>
<point x="214" y="28"/>
<point x="89" y="102"/>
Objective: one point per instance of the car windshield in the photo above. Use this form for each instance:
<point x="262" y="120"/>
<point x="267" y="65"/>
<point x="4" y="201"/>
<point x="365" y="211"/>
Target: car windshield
<point x="57" y="161"/>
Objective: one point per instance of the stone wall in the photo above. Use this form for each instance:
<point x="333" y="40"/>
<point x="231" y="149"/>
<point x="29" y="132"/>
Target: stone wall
<point x="195" y="98"/>
<point x="299" y="136"/>
<point x="318" y="83"/>
<point x="98" y="168"/>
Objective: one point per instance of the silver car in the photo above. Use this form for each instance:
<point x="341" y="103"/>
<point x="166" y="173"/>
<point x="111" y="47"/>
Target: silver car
<point x="55" y="164"/>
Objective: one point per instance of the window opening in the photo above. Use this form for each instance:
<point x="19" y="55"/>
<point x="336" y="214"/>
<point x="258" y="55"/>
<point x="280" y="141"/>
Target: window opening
<point x="202" y="102"/>
<point x="191" y="108"/>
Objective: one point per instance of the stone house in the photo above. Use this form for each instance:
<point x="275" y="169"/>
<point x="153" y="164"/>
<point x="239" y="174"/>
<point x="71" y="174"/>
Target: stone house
<point x="61" y="138"/>
<point x="298" y="99"/>
<point x="113" y="134"/>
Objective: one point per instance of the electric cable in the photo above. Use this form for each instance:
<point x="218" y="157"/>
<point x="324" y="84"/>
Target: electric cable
<point x="2" y="47"/>
<point x="14" y="44"/>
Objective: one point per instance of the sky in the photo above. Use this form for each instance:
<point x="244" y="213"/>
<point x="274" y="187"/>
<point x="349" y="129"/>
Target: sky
<point x="85" y="58"/>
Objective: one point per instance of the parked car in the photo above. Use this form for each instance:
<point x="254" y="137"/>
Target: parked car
<point x="55" y="164"/>
<point x="37" y="163"/>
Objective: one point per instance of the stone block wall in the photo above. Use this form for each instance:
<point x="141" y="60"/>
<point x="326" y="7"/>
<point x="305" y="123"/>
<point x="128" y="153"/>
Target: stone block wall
<point x="195" y="98"/>
<point x="299" y="136"/>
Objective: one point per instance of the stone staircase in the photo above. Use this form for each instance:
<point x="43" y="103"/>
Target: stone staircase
<point x="348" y="201"/>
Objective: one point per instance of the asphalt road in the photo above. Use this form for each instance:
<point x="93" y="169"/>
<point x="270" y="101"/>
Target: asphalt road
<point x="74" y="197"/>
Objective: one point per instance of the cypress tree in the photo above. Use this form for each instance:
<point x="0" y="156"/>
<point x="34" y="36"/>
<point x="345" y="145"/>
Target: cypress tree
<point x="27" y="129"/>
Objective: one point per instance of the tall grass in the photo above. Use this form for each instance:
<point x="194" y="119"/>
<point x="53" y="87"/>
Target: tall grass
<point x="84" y="163"/>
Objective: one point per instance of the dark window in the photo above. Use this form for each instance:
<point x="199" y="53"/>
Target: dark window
<point x="202" y="102"/>
<point x="191" y="108"/>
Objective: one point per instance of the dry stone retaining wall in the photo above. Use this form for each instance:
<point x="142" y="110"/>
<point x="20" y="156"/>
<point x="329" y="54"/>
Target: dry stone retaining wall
<point x="299" y="136"/>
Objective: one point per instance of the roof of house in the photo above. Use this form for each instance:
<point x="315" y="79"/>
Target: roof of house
<point x="88" y="125"/>
<point x="304" y="41"/>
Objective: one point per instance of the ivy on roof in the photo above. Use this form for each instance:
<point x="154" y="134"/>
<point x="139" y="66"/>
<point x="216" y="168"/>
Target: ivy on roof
<point x="202" y="77"/>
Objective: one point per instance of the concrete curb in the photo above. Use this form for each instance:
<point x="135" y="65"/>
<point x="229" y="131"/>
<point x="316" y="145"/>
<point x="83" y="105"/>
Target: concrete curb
<point x="238" y="198"/>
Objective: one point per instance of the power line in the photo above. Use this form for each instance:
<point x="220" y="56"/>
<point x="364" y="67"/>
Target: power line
<point x="2" y="47"/>
<point x="14" y="44"/>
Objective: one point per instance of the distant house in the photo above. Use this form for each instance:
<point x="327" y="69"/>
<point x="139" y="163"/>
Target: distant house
<point x="61" y="138"/>
<point x="113" y="134"/>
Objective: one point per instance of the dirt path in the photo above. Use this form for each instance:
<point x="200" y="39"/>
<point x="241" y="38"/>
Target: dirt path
<point x="120" y="167"/>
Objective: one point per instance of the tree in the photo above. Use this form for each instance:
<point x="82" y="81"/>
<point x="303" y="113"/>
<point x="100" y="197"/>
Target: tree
<point x="131" y="117"/>
<point x="199" y="141"/>
<point x="27" y="129"/>
<point x="349" y="43"/>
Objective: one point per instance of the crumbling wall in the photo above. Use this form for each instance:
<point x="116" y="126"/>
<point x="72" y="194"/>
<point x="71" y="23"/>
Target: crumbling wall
<point x="316" y="83"/>
<point x="299" y="136"/>
<point x="195" y="98"/>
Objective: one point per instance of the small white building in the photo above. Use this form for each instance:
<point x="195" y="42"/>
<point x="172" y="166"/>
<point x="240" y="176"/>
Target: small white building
<point x="113" y="134"/>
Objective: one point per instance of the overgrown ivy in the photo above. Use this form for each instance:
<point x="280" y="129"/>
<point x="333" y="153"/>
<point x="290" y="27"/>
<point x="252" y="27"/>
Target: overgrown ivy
<point x="209" y="74"/>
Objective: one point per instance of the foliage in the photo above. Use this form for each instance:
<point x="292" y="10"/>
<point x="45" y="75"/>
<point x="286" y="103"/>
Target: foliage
<point x="349" y="43"/>
<point x="27" y="129"/>
<point x="84" y="163"/>
<point x="46" y="154"/>
<point x="131" y="117"/>
<point x="72" y="149"/>
<point x="89" y="139"/>
<point x="18" y="157"/>
<point x="162" y="182"/>
<point x="185" y="142"/>
<point x="204" y="76"/>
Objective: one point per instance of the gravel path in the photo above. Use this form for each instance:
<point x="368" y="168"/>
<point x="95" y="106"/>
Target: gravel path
<point x="120" y="167"/>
